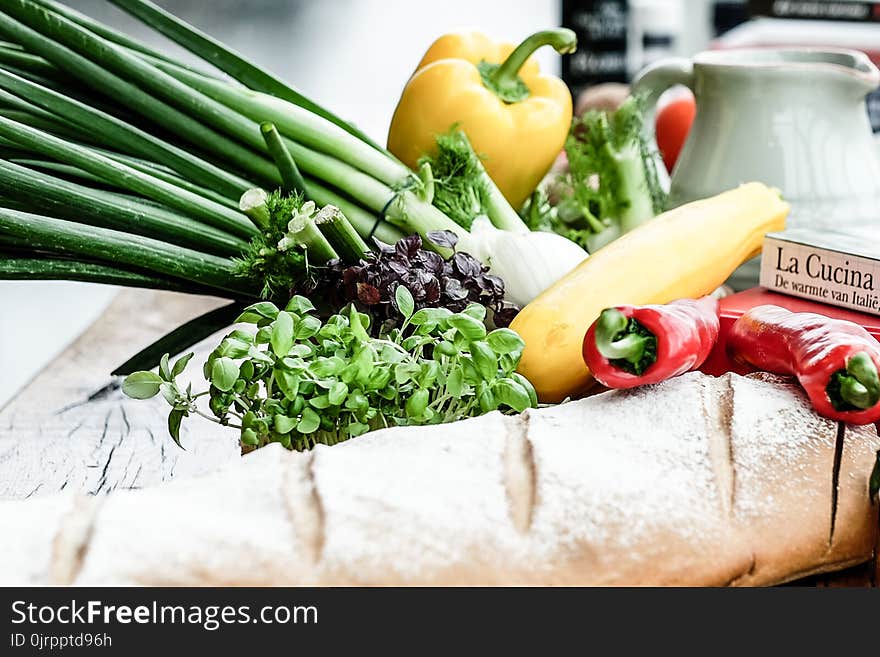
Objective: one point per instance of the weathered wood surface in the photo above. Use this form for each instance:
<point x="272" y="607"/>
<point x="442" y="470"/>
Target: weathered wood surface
<point x="72" y="428"/>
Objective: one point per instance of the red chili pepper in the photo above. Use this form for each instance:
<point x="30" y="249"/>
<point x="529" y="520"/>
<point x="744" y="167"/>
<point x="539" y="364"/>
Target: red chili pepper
<point x="631" y="346"/>
<point x="836" y="361"/>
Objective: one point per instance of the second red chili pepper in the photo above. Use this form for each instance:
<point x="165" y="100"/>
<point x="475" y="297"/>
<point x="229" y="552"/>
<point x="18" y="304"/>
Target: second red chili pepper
<point x="630" y="346"/>
<point x="835" y="361"/>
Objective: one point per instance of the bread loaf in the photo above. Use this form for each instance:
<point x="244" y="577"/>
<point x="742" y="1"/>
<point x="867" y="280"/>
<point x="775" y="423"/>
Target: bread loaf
<point x="695" y="481"/>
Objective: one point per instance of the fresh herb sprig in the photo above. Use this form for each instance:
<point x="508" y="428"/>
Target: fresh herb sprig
<point x="280" y="269"/>
<point x="612" y="184"/>
<point x="298" y="381"/>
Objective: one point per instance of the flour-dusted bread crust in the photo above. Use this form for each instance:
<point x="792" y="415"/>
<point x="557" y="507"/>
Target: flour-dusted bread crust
<point x="41" y="540"/>
<point x="230" y="527"/>
<point x="627" y="491"/>
<point x="696" y="481"/>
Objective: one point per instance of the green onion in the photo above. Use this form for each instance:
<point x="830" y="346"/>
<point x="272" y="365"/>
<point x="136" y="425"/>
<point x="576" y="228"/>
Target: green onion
<point x="64" y="171"/>
<point x="49" y="125"/>
<point x="46" y="268"/>
<point x="368" y="225"/>
<point x="341" y="235"/>
<point x="167" y="175"/>
<point x="135" y="98"/>
<point x="113" y="246"/>
<point x="121" y="136"/>
<point x="230" y="62"/>
<point x="297" y="123"/>
<point x="100" y="29"/>
<point x="305" y="233"/>
<point x="253" y="204"/>
<point x="291" y="179"/>
<point x="124" y="176"/>
<point x="23" y="60"/>
<point x="69" y="200"/>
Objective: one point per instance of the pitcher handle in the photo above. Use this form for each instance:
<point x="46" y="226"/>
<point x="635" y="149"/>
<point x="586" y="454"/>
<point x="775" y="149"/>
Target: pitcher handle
<point x="651" y="82"/>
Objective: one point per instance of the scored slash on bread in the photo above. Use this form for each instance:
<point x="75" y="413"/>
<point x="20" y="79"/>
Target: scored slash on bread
<point x="694" y="481"/>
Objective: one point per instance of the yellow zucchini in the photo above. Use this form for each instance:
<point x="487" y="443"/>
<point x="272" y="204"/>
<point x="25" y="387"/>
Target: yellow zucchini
<point x="683" y="253"/>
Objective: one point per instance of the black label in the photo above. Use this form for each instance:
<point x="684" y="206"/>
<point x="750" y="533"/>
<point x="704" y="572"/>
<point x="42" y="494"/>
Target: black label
<point x="601" y="27"/>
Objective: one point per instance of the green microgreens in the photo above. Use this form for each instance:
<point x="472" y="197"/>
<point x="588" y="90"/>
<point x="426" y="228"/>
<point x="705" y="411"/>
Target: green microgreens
<point x="296" y="380"/>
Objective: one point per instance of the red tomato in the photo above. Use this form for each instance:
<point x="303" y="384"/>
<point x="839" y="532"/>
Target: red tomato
<point x="672" y="126"/>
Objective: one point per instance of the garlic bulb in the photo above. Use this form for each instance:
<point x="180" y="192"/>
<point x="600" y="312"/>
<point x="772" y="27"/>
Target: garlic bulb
<point x="527" y="262"/>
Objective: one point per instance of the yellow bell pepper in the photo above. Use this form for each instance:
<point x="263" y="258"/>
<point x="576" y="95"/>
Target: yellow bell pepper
<point x="515" y="118"/>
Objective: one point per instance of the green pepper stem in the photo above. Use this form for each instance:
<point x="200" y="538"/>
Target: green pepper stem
<point x="504" y="80"/>
<point x="860" y="386"/>
<point x="613" y="342"/>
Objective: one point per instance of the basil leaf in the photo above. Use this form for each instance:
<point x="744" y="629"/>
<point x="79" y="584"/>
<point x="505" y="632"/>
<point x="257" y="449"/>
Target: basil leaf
<point x="180" y="365"/>
<point x="405" y="302"/>
<point x="404" y="372"/>
<point x="445" y="348"/>
<point x="338" y="393"/>
<point x="455" y="383"/>
<point x="244" y="336"/>
<point x="467" y="326"/>
<point x="528" y="387"/>
<point x="307" y="327"/>
<point x="320" y="402"/>
<point x="299" y="305"/>
<point x="284" y="424"/>
<point x="300" y="350"/>
<point x="430" y="371"/>
<point x="326" y="367"/>
<point x="486" y="399"/>
<point x="169" y="392"/>
<point x="417" y="403"/>
<point x="246" y="370"/>
<point x="233" y="348"/>
<point x="224" y="373"/>
<point x="164" y="368"/>
<point x="141" y="385"/>
<point x="288" y="383"/>
<point x="257" y="312"/>
<point x="445" y="239"/>
<point x="309" y="422"/>
<point x="357" y="429"/>
<point x="484" y="359"/>
<point x="430" y="316"/>
<point x="281" y="339"/>
<point x="249" y="437"/>
<point x="356" y="401"/>
<point x="505" y="341"/>
<point x="510" y="393"/>
<point x="476" y="310"/>
<point x="174" y="420"/>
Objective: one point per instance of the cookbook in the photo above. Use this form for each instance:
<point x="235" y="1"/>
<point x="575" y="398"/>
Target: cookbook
<point x="837" y="268"/>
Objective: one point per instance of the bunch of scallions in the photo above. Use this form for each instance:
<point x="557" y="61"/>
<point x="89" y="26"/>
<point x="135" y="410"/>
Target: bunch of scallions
<point x="120" y="165"/>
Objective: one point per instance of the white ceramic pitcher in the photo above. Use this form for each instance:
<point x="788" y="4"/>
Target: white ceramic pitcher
<point x="793" y="119"/>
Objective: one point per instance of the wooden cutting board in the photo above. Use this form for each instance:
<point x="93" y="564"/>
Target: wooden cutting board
<point x="72" y="427"/>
